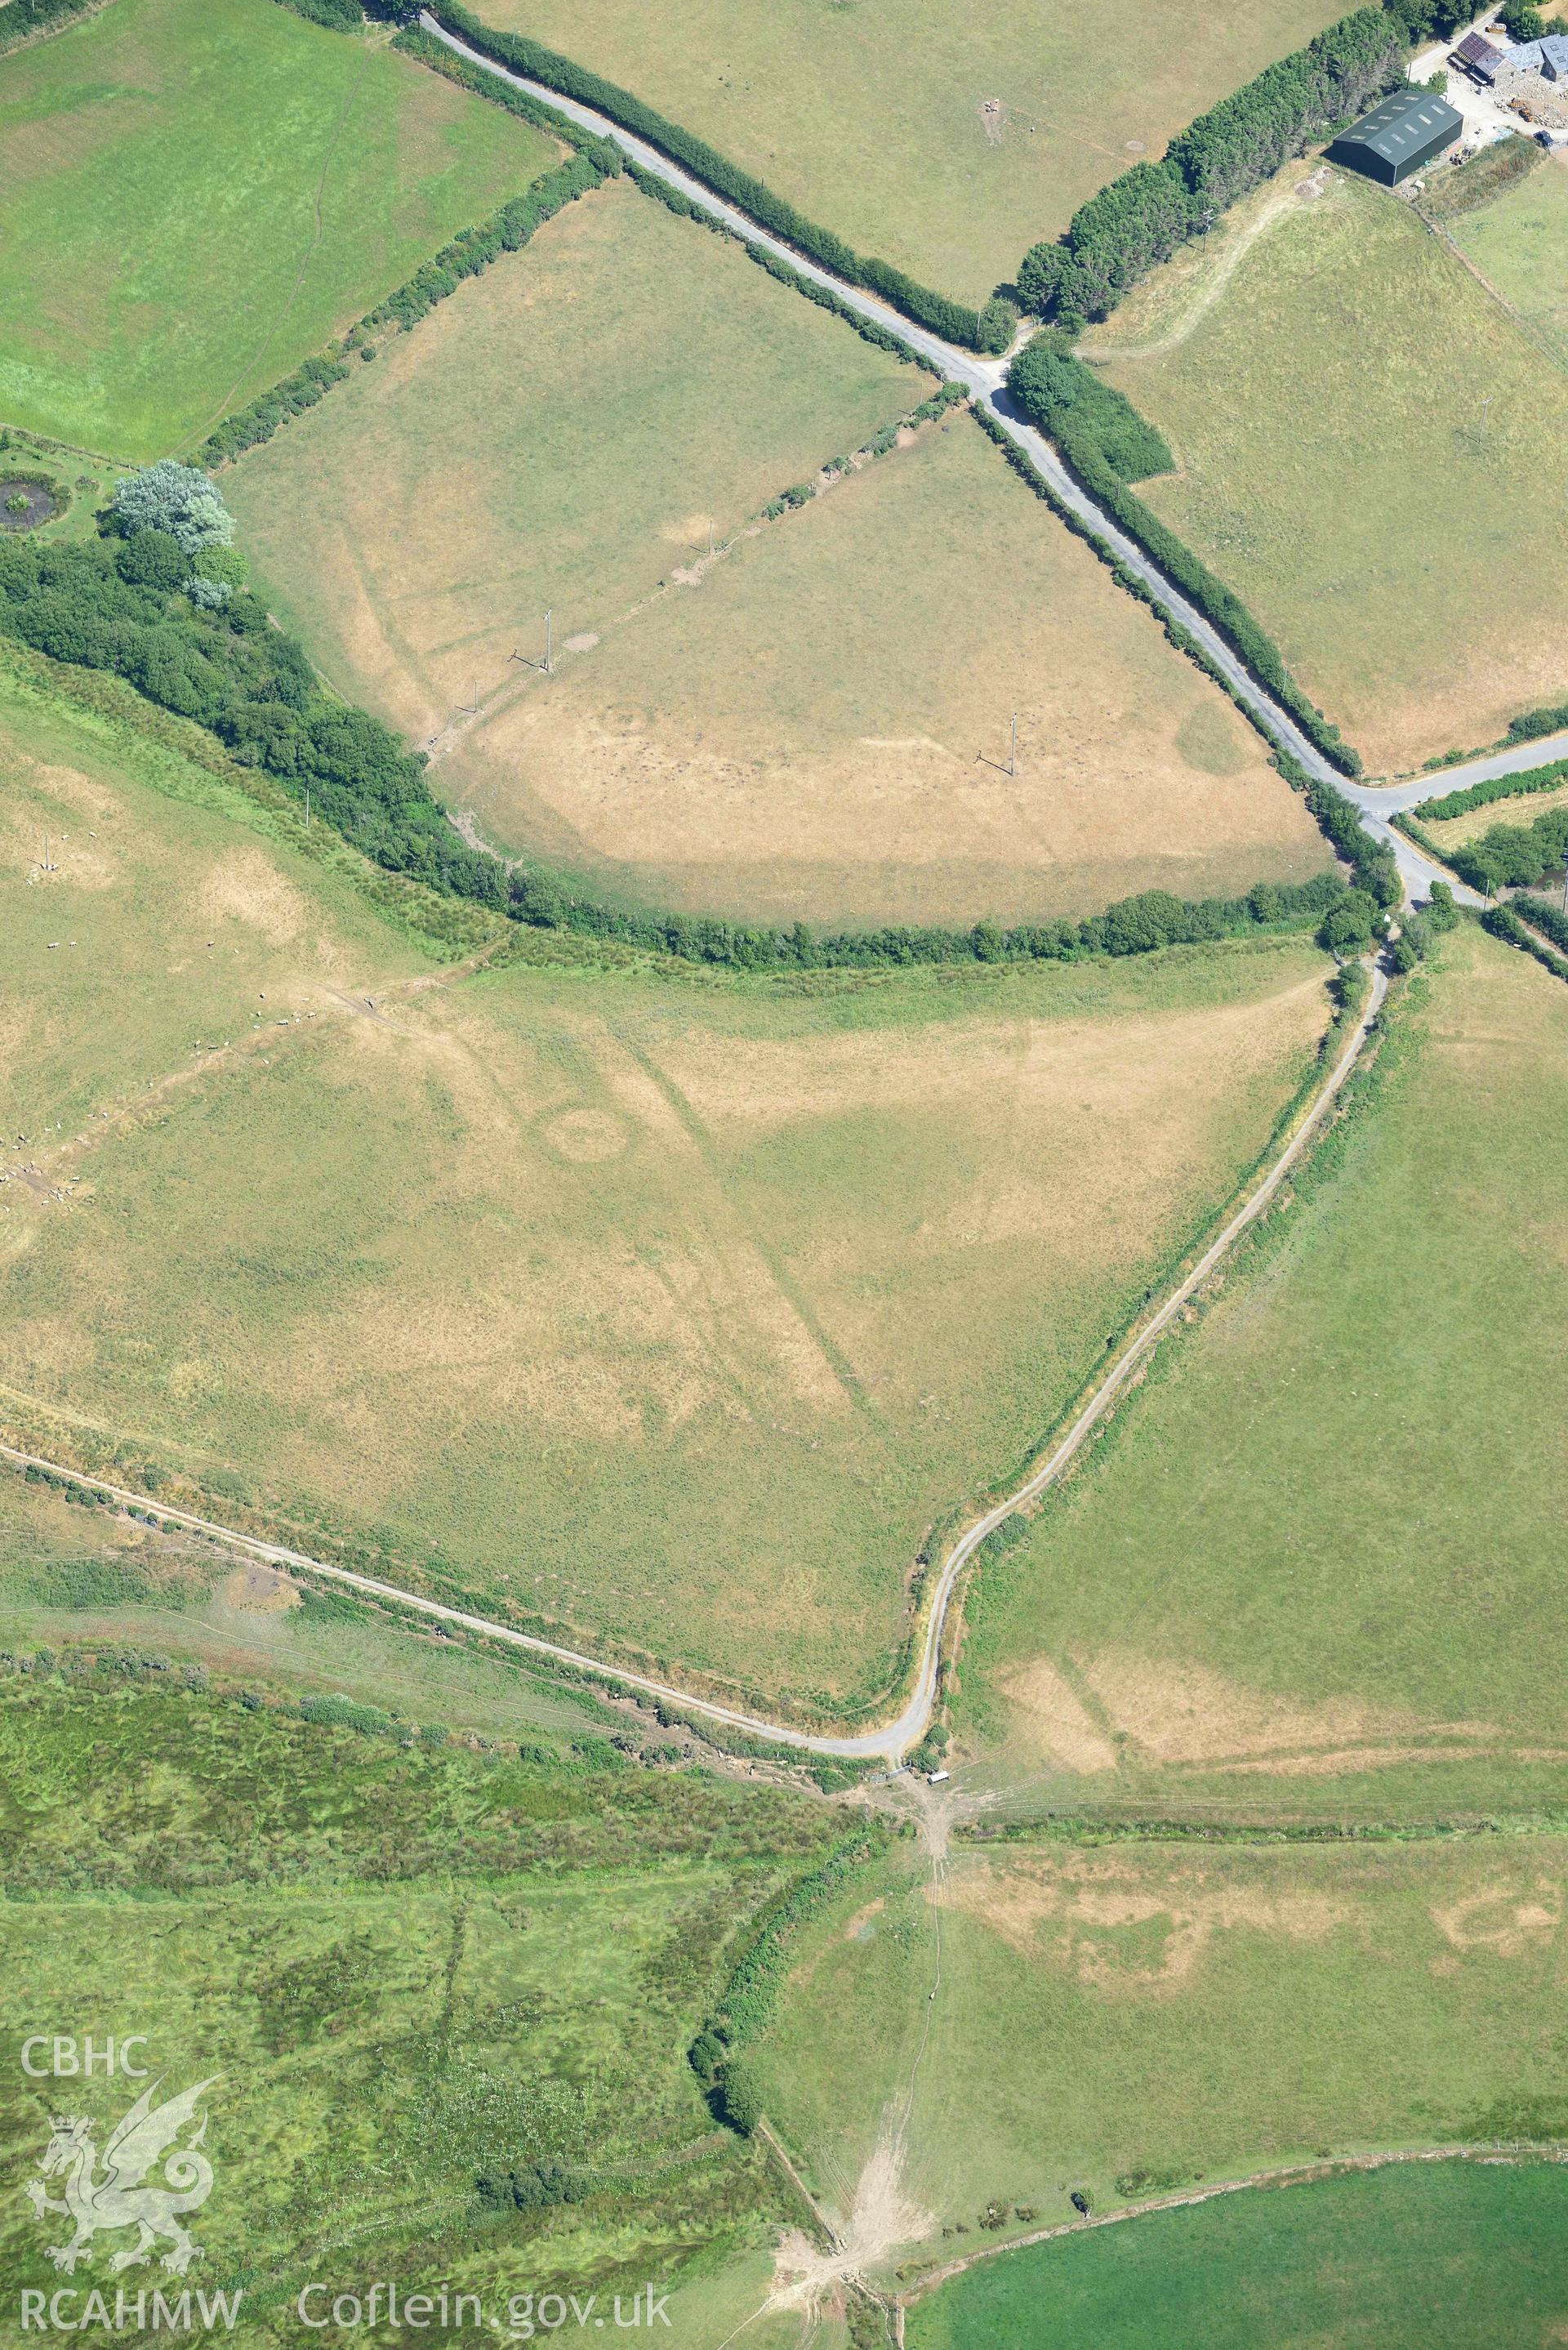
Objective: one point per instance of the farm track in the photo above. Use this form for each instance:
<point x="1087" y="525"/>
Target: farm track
<point x="892" y="1740"/>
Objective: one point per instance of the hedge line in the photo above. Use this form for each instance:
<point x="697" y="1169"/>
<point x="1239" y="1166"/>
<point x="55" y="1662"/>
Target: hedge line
<point x="20" y="19"/>
<point x="1499" y="787"/>
<point x="1533" y="724"/>
<point x="1065" y="397"/>
<point x="744" y="2007"/>
<point x="340" y="16"/>
<point x="473" y="251"/>
<point x="1504" y="924"/>
<point x="98" y="606"/>
<point x="986" y="329"/>
<point x="882" y="338"/>
<point x="1512" y="855"/>
<point x="1034" y="385"/>
<point x="1139" y="218"/>
<point x="1546" y="917"/>
<point x="415" y="42"/>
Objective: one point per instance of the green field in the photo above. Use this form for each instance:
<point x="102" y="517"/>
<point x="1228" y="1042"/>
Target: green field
<point x="402" y="1966"/>
<point x="667" y="1314"/>
<point x="871" y="115"/>
<point x="1132" y="2018"/>
<point x="1519" y="241"/>
<point x="200" y="192"/>
<point x="1300" y="1574"/>
<point x="820" y="731"/>
<point x="1349" y="2263"/>
<point x="1358" y="427"/>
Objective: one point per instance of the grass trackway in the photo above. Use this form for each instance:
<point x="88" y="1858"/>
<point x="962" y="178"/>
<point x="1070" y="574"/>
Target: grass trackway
<point x="893" y="1740"/>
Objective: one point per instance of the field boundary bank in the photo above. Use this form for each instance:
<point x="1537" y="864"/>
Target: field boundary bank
<point x="1298" y="2174"/>
<point x="892" y="1740"/>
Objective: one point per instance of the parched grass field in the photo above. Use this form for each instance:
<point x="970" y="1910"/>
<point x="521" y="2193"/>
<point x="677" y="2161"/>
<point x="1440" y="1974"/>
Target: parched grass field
<point x="668" y="1312"/>
<point x="1308" y="1569"/>
<point x="817" y="728"/>
<point x="800" y="728"/>
<point x="1354" y="2263"/>
<point x="200" y="192"/>
<point x="1128" y="2018"/>
<point x="400" y="1966"/>
<point x="1358" y="428"/>
<point x="561" y="433"/>
<point x="945" y="141"/>
<point x="1519" y="243"/>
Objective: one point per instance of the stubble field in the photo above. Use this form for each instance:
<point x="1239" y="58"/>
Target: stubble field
<point x="1358" y="427"/>
<point x="945" y="144"/>
<point x="200" y="192"/>
<point x="667" y="1314"/>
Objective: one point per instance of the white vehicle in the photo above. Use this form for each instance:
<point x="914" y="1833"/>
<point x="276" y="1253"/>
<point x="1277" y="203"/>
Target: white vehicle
<point x="935" y="1778"/>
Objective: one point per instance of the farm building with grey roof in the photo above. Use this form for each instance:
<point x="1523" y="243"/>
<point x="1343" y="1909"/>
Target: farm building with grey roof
<point x="1402" y="132"/>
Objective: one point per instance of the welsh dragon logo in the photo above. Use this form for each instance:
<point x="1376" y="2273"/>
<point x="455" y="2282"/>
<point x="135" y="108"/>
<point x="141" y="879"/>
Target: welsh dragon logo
<point x="115" y="2196"/>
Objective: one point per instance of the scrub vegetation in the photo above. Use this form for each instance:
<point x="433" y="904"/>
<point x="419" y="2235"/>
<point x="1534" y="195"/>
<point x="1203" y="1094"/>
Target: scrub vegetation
<point x="1358" y="2260"/>
<point x="419" y="1971"/>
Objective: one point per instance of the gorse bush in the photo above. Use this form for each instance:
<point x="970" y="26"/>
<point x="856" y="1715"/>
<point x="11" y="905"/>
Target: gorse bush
<point x="1141" y="218"/>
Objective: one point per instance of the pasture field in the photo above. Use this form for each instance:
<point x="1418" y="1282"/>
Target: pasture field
<point x="147" y="913"/>
<point x="200" y="192"/>
<point x="1357" y="428"/>
<point x="403" y="1967"/>
<point x="561" y="433"/>
<point x="817" y="727"/>
<point x="946" y="143"/>
<point x="669" y="1312"/>
<point x="1519" y="241"/>
<point x="1130" y="2017"/>
<point x="1354" y="2263"/>
<point x="1297" y="1575"/>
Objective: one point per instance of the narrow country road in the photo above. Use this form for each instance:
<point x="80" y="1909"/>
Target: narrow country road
<point x="984" y="378"/>
<point x="894" y="1739"/>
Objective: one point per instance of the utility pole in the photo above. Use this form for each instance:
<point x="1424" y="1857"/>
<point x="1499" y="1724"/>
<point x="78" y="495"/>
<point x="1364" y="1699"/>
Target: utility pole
<point x="308" y="807"/>
<point x="1012" y="753"/>
<point x="548" y="663"/>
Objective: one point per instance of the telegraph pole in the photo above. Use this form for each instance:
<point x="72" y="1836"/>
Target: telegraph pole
<point x="1012" y="753"/>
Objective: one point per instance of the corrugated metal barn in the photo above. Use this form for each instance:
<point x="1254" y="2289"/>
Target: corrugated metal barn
<point x="1402" y="132"/>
